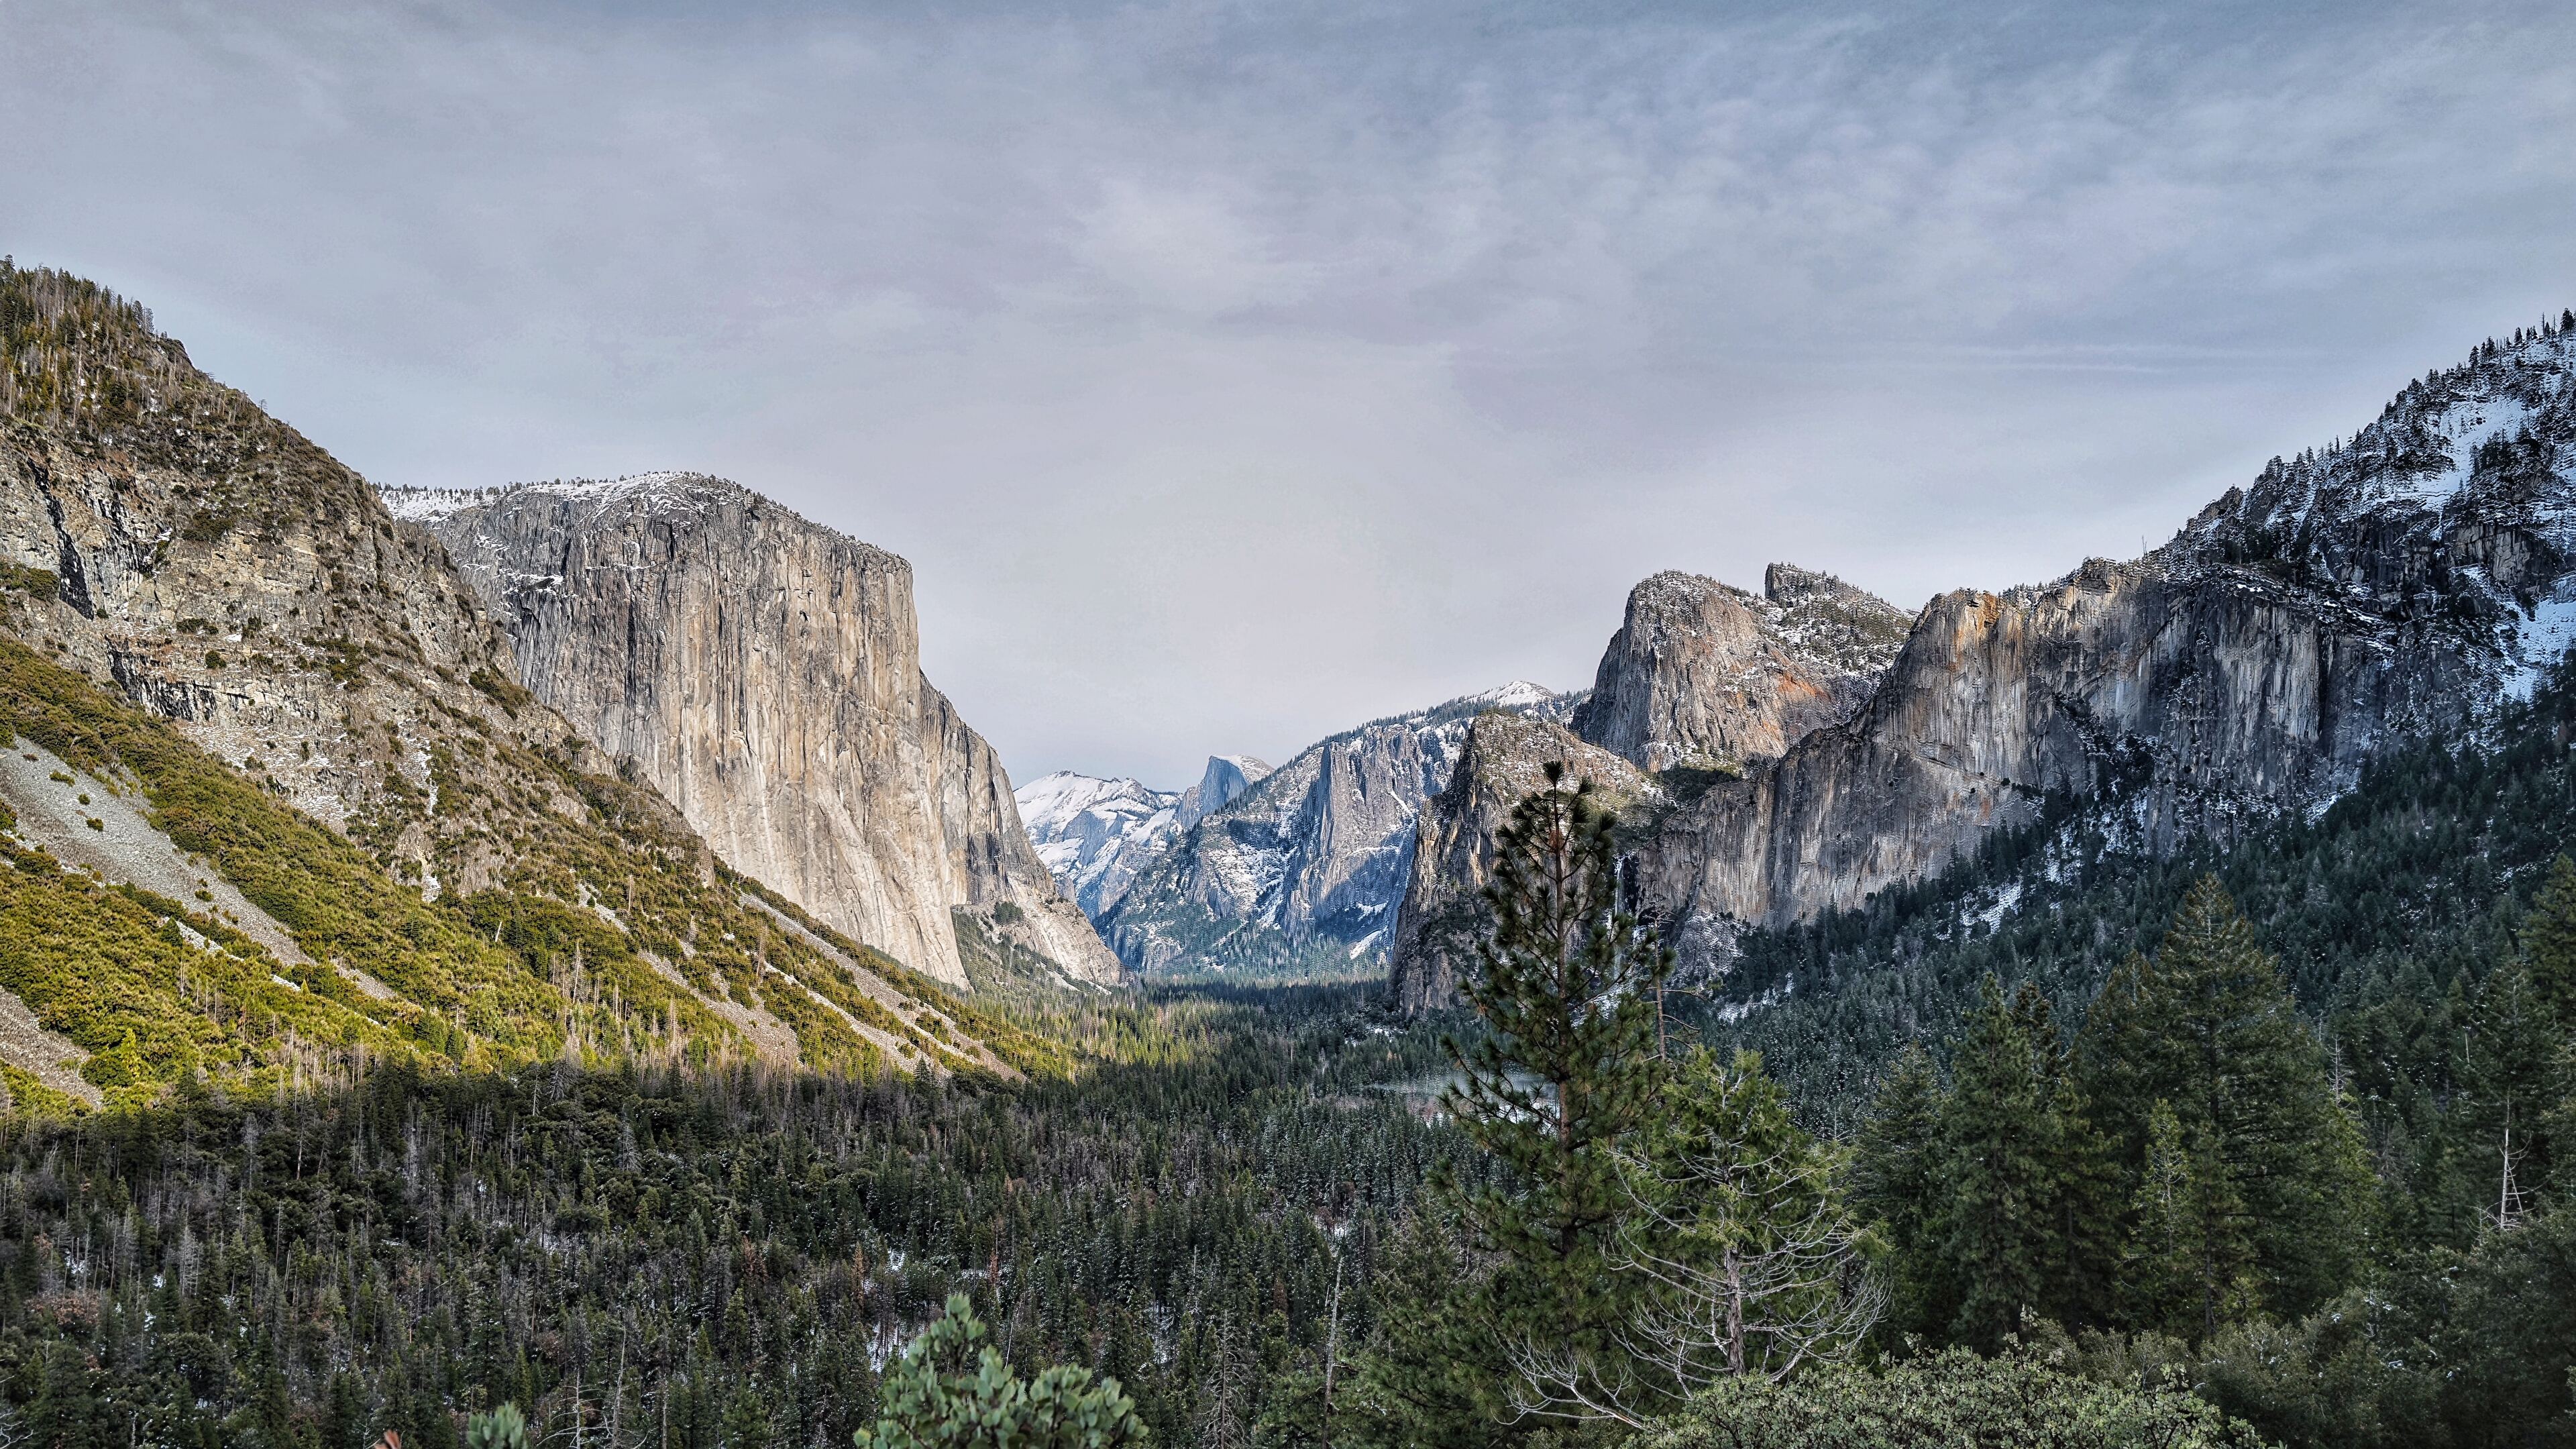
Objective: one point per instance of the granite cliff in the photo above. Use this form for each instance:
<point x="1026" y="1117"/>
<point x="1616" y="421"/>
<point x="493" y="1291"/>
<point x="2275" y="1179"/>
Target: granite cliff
<point x="1704" y="675"/>
<point x="763" y="673"/>
<point x="302" y="711"/>
<point x="1501" y="760"/>
<point x="2396" y="583"/>
<point x="1701" y="682"/>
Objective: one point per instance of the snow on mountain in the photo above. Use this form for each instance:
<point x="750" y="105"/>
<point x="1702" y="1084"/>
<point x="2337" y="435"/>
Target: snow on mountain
<point x="1299" y="874"/>
<point x="1095" y="834"/>
<point x="1224" y="781"/>
<point x="2477" y="463"/>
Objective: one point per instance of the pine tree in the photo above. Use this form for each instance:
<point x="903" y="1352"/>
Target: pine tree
<point x="2549" y="942"/>
<point x="951" y="1390"/>
<point x="1896" y="1184"/>
<point x="1566" y="986"/>
<point x="2513" y="1072"/>
<point x="1428" y="1377"/>
<point x="2007" y="1142"/>
<point x="2189" y="1261"/>
<point x="1746" y="1254"/>
<point x="2207" y="1027"/>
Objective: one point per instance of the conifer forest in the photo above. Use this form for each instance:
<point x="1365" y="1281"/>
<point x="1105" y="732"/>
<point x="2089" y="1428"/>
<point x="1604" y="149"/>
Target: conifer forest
<point x="2234" y="1149"/>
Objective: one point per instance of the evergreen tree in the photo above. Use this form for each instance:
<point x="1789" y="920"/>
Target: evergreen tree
<point x="1567" y="1064"/>
<point x="1746" y="1256"/>
<point x="1428" y="1377"/>
<point x="2208" y="1028"/>
<point x="2513" y="1075"/>
<point x="2549" y="942"/>
<point x="1896" y="1184"/>
<point x="951" y="1390"/>
<point x="2189" y="1263"/>
<point x="2009" y="1141"/>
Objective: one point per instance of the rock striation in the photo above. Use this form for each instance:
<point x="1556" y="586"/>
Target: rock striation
<point x="763" y="672"/>
<point x="1705" y="675"/>
<point x="2399" y="582"/>
<point x="1300" y="874"/>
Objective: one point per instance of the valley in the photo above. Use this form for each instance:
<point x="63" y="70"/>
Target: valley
<point x="550" y="944"/>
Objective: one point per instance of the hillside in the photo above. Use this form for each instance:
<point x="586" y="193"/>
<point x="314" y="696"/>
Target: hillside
<point x="212" y="620"/>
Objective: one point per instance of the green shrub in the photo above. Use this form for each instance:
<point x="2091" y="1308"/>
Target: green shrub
<point x="1950" y="1398"/>
<point x="951" y="1390"/>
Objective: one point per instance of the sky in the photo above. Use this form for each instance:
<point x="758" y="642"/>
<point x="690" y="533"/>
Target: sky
<point x="1232" y="373"/>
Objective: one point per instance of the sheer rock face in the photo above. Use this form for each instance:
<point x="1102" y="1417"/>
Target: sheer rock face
<point x="1705" y="675"/>
<point x="1228" y="778"/>
<point x="2215" y="697"/>
<point x="764" y="673"/>
<point x="1301" y="873"/>
<point x="1502" y="760"/>
<point x="2401" y="582"/>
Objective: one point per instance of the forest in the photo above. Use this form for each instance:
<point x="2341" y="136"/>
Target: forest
<point x="2263" y="1142"/>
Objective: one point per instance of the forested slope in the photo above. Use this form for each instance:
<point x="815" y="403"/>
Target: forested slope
<point x="704" y="1259"/>
<point x="2378" y="907"/>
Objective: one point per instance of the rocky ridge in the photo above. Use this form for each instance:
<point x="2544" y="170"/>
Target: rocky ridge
<point x="2396" y="583"/>
<point x="1501" y="761"/>
<point x="763" y="673"/>
<point x="1095" y="834"/>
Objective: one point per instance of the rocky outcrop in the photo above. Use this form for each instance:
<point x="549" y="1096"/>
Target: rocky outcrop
<point x="2401" y="582"/>
<point x="1096" y="835"/>
<point x="213" y="565"/>
<point x="1228" y="778"/>
<point x="1502" y="761"/>
<point x="763" y="672"/>
<point x="1301" y="874"/>
<point x="1705" y="675"/>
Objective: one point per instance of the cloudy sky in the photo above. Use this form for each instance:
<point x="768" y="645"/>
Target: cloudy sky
<point x="1232" y="373"/>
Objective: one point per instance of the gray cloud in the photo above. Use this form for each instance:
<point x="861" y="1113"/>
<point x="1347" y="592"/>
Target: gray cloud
<point x="1234" y="372"/>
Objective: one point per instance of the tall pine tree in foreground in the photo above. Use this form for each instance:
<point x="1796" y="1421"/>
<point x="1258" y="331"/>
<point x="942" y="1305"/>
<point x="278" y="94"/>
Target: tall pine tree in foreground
<point x="1567" y="985"/>
<point x="2016" y="1177"/>
<point x="2207" y="1029"/>
<point x="1895" y="1183"/>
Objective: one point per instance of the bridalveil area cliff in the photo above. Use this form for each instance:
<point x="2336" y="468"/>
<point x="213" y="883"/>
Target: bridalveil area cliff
<point x="2394" y="584"/>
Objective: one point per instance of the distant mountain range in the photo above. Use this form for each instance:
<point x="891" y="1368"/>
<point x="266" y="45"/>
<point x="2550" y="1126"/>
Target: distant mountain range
<point x="1256" y="873"/>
